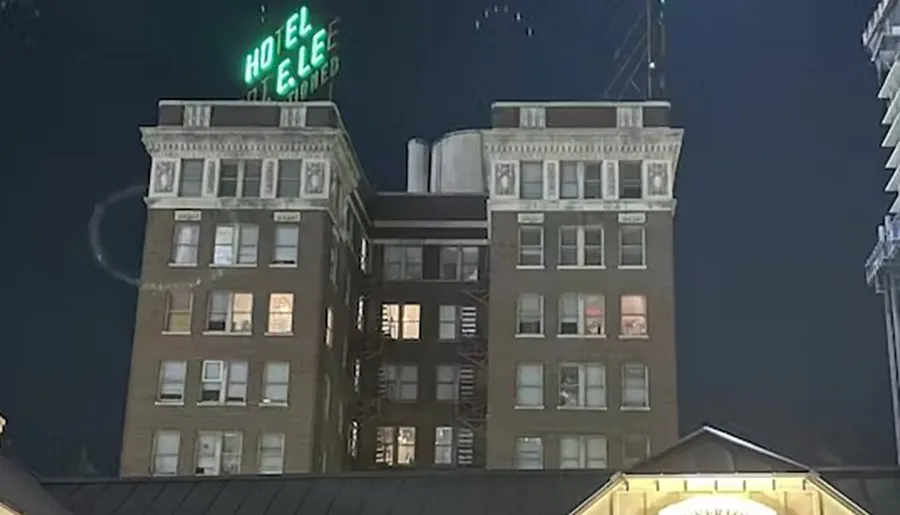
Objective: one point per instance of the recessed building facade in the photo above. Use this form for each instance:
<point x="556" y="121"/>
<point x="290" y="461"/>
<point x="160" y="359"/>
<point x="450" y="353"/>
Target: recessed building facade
<point x="513" y="309"/>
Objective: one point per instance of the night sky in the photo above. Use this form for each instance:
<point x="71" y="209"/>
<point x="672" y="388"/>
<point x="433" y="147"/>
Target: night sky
<point x="779" y="187"/>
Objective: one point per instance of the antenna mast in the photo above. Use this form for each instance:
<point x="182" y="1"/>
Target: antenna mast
<point x="636" y="29"/>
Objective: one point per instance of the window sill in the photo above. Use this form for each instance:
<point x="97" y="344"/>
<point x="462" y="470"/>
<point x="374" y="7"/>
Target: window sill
<point x="182" y="265"/>
<point x="221" y="404"/>
<point x="282" y="265"/>
<point x="530" y="267"/>
<point x="169" y="404"/>
<point x="528" y="408"/>
<point x="581" y="267"/>
<point x="227" y="333"/>
<point x="581" y="336"/>
<point x="636" y="408"/>
<point x="235" y="265"/>
<point x="278" y="335"/>
<point x="632" y="267"/>
<point x="530" y="336"/>
<point x="634" y="336"/>
<point x="176" y="333"/>
<point x="582" y="408"/>
<point x="273" y="404"/>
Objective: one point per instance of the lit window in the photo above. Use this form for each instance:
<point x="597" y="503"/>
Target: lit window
<point x="580" y="246"/>
<point x="281" y="313"/>
<point x="401" y="321"/>
<point x="580" y="180"/>
<point x="223" y="382"/>
<point x="396" y="446"/>
<point x="635" y="386"/>
<point x="172" y="375"/>
<point x="190" y="183"/>
<point x="287" y="244"/>
<point x="530" y="315"/>
<point x="364" y="254"/>
<point x="530" y="386"/>
<point x="401" y="382"/>
<point x="582" y="385"/>
<point x="459" y="263"/>
<point x="635" y="448"/>
<point x="631" y="182"/>
<point x="218" y="453"/>
<point x="582" y="452"/>
<point x="447" y="379"/>
<point x="532" y="182"/>
<point x="361" y="312"/>
<point x="230" y="312"/>
<point x="632" y="246"/>
<point x="166" y="446"/>
<point x="329" y="327"/>
<point x="529" y="453"/>
<point x="271" y="453"/>
<point x="402" y="263"/>
<point x="531" y="246"/>
<point x="178" y="312"/>
<point x="634" y="316"/>
<point x="582" y="314"/>
<point x="185" y="244"/>
<point x="236" y="245"/>
<point x="288" y="178"/>
<point x="276" y="379"/>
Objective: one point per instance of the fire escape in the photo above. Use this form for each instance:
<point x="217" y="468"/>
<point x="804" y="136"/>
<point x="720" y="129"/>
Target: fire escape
<point x="470" y="408"/>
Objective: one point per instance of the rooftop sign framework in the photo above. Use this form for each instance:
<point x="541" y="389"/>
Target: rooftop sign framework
<point x="294" y="61"/>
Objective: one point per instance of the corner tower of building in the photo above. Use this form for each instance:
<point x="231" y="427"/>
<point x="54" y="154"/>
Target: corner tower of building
<point x="882" y="40"/>
<point x="581" y="353"/>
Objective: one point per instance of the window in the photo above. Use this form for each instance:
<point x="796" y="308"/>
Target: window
<point x="631" y="246"/>
<point x="230" y="312"/>
<point x="530" y="386"/>
<point x="532" y="117"/>
<point x="529" y="453"/>
<point x="402" y="263"/>
<point x="443" y="446"/>
<point x="361" y="312"/>
<point x="530" y="315"/>
<point x="236" y="245"/>
<point x="190" y="184"/>
<point x="185" y="244"/>
<point x="635" y="448"/>
<point x="457" y="321"/>
<point x="240" y="178"/>
<point x="166" y="446"/>
<point x="402" y="382"/>
<point x="447" y="379"/>
<point x="271" y="453"/>
<point x="252" y="178"/>
<point x="401" y="321"/>
<point x="634" y="316"/>
<point x="459" y="263"/>
<point x="281" y="313"/>
<point x="223" y="382"/>
<point x="582" y="452"/>
<point x="635" y="386"/>
<point x="178" y="312"/>
<point x="580" y="180"/>
<point x="287" y="245"/>
<point x="531" y="245"/>
<point x="288" y="178"/>
<point x="582" y="314"/>
<point x="228" y="178"/>
<point x="580" y="246"/>
<point x="532" y="183"/>
<point x="333" y="260"/>
<point x="172" y="375"/>
<point x="276" y="379"/>
<point x="218" y="453"/>
<point x="631" y="183"/>
<point x="364" y="254"/>
<point x="329" y="327"/>
<point x="582" y="385"/>
<point x="395" y="446"/>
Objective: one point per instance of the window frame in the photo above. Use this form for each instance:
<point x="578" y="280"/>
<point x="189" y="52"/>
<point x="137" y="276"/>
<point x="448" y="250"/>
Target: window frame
<point x="273" y="315"/>
<point x="192" y="246"/>
<point x="524" y="251"/>
<point x="231" y="313"/>
<point x="583" y="386"/>
<point x="409" y="266"/>
<point x="580" y="247"/>
<point x="197" y="167"/>
<point x="392" y="448"/>
<point x="623" y="246"/>
<point x="465" y="269"/>
<point x="625" y="183"/>
<point x="225" y="383"/>
<point x="526" y="183"/>
<point x="520" y="314"/>
<point x="264" y="451"/>
<point x="171" y="312"/>
<point x="156" y="457"/>
<point x="580" y="317"/>
<point x="583" y="460"/>
<point x="227" y="462"/>
<point x="236" y="247"/>
<point x="281" y="182"/>
<point x="625" y="404"/>
<point x="389" y="326"/>
<point x="242" y="179"/>
<point x="580" y="179"/>
<point x="521" y="387"/>
<point x="629" y="318"/>
<point x="441" y="448"/>
<point x="442" y="384"/>
<point x="280" y="229"/>
<point x="179" y="382"/>
<point x="269" y="384"/>
<point x="398" y="383"/>
<point x="329" y="327"/>
<point x="536" y="455"/>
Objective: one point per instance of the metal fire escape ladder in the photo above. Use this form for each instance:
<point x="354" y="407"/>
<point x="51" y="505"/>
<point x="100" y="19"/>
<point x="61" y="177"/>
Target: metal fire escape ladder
<point x="470" y="408"/>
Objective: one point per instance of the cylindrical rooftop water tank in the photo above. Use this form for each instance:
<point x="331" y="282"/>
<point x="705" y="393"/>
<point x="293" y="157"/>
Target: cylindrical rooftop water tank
<point x="416" y="166"/>
<point x="456" y="163"/>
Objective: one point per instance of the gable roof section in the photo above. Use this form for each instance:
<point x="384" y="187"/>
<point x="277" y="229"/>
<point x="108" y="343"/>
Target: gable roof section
<point x="382" y="493"/>
<point x="875" y="489"/>
<point x="712" y="451"/>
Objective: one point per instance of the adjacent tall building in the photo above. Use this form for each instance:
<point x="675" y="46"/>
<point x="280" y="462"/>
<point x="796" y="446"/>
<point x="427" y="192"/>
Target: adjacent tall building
<point x="882" y="39"/>
<point x="513" y="309"/>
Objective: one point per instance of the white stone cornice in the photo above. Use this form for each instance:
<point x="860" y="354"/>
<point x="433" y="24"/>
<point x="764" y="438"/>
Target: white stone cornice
<point x="512" y="144"/>
<point x="638" y="206"/>
<point x="237" y="144"/>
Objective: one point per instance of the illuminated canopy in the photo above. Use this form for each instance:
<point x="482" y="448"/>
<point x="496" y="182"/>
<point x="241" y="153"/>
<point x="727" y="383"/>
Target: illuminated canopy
<point x="717" y="505"/>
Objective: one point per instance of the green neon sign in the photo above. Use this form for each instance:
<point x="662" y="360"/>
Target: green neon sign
<point x="294" y="61"/>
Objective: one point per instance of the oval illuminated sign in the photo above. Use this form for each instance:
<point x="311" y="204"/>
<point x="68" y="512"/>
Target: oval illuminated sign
<point x="717" y="505"/>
